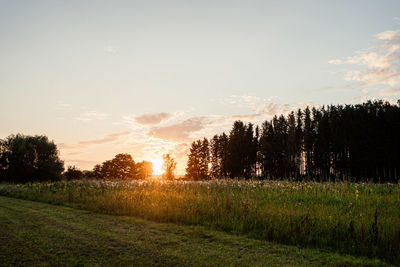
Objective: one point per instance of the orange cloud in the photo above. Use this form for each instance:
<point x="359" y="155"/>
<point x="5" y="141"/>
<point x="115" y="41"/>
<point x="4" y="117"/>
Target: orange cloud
<point x="179" y="131"/>
<point x="152" y="119"/>
<point x="108" y="139"/>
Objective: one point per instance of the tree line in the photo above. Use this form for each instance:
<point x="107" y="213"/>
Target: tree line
<point x="36" y="158"/>
<point x="121" y="167"/>
<point x="346" y="142"/>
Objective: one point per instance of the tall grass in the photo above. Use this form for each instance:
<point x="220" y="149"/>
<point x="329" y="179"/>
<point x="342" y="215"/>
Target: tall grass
<point x="359" y="219"/>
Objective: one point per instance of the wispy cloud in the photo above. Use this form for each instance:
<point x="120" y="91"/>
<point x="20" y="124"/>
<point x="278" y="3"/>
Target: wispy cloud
<point x="64" y="106"/>
<point x="111" y="49"/>
<point x="390" y="92"/>
<point x="335" y="61"/>
<point x="179" y="131"/>
<point x="263" y="111"/>
<point x="152" y="119"/>
<point x="380" y="64"/>
<point x="243" y="101"/>
<point x="107" y="139"/>
<point x="92" y="115"/>
<point x="188" y="129"/>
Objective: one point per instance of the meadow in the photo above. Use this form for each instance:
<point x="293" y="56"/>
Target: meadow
<point x="361" y="219"/>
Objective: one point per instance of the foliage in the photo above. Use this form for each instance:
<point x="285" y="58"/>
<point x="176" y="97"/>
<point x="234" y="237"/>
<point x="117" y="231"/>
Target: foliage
<point x="219" y="156"/>
<point x="198" y="160"/>
<point x="122" y="166"/>
<point x="73" y="173"/>
<point x="351" y="218"/>
<point x="29" y="158"/>
<point x="144" y="169"/>
<point x="169" y="167"/>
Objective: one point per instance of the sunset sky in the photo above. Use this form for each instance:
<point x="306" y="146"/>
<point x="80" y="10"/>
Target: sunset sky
<point x="149" y="77"/>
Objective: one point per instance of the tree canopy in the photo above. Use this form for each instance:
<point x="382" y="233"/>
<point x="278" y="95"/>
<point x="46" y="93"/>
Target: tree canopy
<point x="29" y="158"/>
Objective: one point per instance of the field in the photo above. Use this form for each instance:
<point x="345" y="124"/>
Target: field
<point x="347" y="218"/>
<point x="43" y="234"/>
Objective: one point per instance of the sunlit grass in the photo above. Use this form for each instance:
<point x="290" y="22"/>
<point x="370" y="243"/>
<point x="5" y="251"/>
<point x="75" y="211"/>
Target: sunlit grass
<point x="361" y="219"/>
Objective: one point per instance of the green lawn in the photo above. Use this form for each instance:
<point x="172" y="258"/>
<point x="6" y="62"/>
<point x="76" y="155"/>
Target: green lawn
<point x="33" y="233"/>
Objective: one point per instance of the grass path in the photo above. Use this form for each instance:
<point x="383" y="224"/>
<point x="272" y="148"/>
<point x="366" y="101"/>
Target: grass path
<point x="33" y="233"/>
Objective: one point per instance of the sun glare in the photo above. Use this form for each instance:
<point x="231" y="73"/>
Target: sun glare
<point x="157" y="166"/>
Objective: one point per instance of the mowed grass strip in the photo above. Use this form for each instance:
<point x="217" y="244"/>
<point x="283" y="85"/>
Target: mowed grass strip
<point x="33" y="233"/>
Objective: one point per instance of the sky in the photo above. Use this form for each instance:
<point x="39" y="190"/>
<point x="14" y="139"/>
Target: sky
<point x="149" y="77"/>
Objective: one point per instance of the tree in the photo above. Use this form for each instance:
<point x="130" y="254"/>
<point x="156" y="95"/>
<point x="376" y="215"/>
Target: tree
<point x="198" y="160"/>
<point x="215" y="171"/>
<point x="308" y="136"/>
<point x="73" y="173"/>
<point x="352" y="142"/>
<point x="97" y="171"/>
<point x="193" y="163"/>
<point x="218" y="156"/>
<point x="144" y="169"/>
<point x="122" y="166"/>
<point x="204" y="159"/>
<point x="29" y="158"/>
<point x="169" y="167"/>
<point x="236" y="150"/>
<point x="292" y="145"/>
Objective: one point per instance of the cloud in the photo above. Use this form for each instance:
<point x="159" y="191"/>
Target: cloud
<point x="152" y="119"/>
<point x="64" y="106"/>
<point x="92" y="115"/>
<point x="390" y="92"/>
<point x="179" y="131"/>
<point x="111" y="49"/>
<point x="107" y="139"/>
<point x="243" y="101"/>
<point x="335" y="61"/>
<point x="263" y="111"/>
<point x="377" y="65"/>
<point x="388" y="35"/>
<point x="196" y="127"/>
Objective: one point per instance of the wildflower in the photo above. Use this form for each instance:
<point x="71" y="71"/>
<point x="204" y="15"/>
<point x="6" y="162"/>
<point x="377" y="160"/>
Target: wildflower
<point x="357" y="193"/>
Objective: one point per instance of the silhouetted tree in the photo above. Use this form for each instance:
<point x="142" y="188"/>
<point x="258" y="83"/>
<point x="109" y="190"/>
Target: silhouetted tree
<point x="308" y="135"/>
<point x="198" y="160"/>
<point x="73" y="173"/>
<point x="204" y="159"/>
<point x="122" y="166"/>
<point x="250" y="152"/>
<point x="29" y="158"/>
<point x="236" y="156"/>
<point x="352" y="142"/>
<point x="97" y="171"/>
<point x="215" y="157"/>
<point x="219" y="156"/>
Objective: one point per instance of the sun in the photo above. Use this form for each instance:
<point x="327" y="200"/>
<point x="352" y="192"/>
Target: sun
<point x="157" y="165"/>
